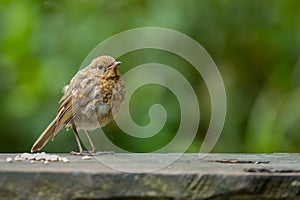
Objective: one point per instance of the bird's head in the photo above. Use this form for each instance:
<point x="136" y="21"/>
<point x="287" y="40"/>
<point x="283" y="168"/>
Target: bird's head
<point x="106" y="65"/>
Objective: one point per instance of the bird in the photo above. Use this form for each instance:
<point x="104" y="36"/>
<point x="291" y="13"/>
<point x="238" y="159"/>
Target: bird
<point x="91" y="100"/>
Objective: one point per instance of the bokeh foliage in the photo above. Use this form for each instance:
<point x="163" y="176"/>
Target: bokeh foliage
<point x="255" y="44"/>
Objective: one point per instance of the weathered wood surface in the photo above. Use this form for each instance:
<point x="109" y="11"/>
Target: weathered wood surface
<point x="217" y="176"/>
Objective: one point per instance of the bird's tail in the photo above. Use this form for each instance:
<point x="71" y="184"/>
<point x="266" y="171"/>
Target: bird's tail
<point x="50" y="131"/>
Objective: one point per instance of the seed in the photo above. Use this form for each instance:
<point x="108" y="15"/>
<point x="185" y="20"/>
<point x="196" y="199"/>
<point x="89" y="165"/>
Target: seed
<point x="25" y="156"/>
<point x="40" y="157"/>
<point x="65" y="160"/>
<point x="86" y="157"/>
<point x="51" y="158"/>
<point x="18" y="158"/>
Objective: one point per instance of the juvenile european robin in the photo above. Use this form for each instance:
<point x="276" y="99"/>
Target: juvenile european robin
<point x="91" y="100"/>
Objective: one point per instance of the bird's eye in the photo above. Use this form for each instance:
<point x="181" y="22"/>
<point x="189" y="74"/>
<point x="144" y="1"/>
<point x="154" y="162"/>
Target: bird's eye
<point x="100" y="66"/>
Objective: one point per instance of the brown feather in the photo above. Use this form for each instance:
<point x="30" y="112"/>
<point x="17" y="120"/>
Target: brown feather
<point x="50" y="131"/>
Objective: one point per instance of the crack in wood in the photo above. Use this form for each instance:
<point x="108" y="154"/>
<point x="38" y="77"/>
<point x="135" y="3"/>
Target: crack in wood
<point x="270" y="170"/>
<point x="235" y="161"/>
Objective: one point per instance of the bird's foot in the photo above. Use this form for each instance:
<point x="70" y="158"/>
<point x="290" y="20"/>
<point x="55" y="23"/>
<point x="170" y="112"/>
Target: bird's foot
<point x="82" y="153"/>
<point x="99" y="153"/>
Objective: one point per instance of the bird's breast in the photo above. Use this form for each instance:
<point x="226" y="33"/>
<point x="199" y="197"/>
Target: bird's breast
<point x="103" y="104"/>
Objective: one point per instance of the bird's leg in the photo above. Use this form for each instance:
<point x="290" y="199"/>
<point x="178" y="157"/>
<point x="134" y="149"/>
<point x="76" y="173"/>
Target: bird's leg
<point x="77" y="141"/>
<point x="94" y="150"/>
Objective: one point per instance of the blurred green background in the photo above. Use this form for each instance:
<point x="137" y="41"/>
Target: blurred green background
<point x="255" y="44"/>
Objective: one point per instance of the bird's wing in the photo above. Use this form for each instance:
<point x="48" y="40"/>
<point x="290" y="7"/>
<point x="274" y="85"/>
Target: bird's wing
<point x="72" y="102"/>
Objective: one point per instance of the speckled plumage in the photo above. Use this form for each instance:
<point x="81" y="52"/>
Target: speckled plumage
<point x="91" y="100"/>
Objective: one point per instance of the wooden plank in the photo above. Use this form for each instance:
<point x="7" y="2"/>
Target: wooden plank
<point x="217" y="176"/>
